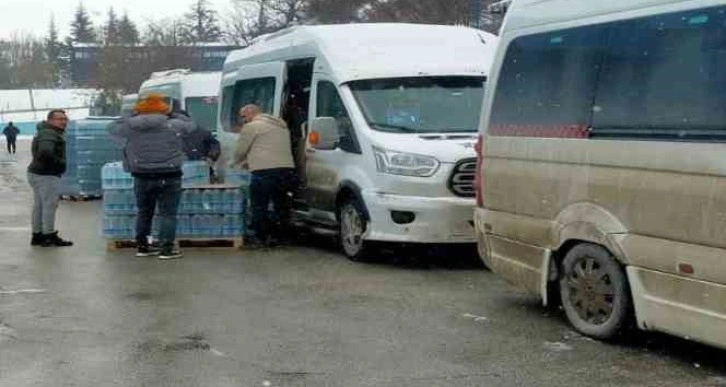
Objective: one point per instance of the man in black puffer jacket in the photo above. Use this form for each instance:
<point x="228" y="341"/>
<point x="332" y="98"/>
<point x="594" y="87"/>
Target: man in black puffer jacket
<point x="153" y="149"/>
<point x="44" y="176"/>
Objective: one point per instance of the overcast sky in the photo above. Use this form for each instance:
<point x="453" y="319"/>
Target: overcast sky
<point x="33" y="15"/>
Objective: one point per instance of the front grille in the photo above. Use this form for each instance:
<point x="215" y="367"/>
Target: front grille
<point x="461" y="182"/>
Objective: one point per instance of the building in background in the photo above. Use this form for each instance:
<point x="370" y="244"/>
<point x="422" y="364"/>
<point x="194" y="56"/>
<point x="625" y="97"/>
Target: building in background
<point x="126" y="67"/>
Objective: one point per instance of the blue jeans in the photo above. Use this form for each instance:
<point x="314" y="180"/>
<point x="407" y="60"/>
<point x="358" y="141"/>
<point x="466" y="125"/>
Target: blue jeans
<point x="166" y="193"/>
<point x="270" y="185"/>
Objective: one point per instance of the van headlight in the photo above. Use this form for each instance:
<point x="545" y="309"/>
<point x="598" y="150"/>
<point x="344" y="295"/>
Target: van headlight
<point x="405" y="164"/>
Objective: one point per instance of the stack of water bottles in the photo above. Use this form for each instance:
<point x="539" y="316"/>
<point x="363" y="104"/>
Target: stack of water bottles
<point x="88" y="148"/>
<point x="206" y="211"/>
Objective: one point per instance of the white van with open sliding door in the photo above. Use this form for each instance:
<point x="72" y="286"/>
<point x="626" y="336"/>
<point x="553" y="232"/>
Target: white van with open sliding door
<point x="384" y="119"/>
<point x="195" y="92"/>
<point x="603" y="162"/>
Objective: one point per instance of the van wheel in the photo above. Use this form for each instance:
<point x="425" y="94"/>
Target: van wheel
<point x="594" y="291"/>
<point x="353" y="226"/>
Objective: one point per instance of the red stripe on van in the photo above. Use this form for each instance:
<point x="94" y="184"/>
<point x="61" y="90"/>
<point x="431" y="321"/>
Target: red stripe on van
<point x="540" y="131"/>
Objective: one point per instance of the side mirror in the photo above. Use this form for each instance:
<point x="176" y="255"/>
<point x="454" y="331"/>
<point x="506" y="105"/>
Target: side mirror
<point x="324" y="133"/>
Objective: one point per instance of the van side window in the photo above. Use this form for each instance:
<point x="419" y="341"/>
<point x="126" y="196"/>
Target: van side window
<point x="329" y="104"/>
<point x="547" y="83"/>
<point x="260" y="91"/>
<point x="659" y="77"/>
<point x="226" y="114"/>
<point x="663" y="77"/>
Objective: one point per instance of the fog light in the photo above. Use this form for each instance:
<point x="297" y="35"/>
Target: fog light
<point x="403" y="217"/>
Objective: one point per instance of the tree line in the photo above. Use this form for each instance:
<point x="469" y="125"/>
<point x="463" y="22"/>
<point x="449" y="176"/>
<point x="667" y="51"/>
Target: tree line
<point x="30" y="61"/>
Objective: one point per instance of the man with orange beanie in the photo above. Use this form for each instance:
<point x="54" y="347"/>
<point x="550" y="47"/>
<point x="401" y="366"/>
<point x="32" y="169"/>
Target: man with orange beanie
<point x="154" y="154"/>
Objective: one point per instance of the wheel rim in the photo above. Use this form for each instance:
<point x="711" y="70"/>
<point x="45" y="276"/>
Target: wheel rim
<point x="351" y="230"/>
<point x="591" y="292"/>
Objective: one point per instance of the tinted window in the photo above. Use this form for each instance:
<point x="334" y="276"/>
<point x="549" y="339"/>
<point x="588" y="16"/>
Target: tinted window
<point x="663" y="76"/>
<point x="659" y="77"/>
<point x="227" y="116"/>
<point x="260" y="92"/>
<point x="329" y="104"/>
<point x="547" y="81"/>
<point x="204" y="111"/>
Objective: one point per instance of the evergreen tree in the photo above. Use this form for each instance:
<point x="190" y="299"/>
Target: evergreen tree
<point x="82" y="27"/>
<point x="54" y="51"/>
<point x="112" y="30"/>
<point x="128" y="32"/>
<point x="201" y="24"/>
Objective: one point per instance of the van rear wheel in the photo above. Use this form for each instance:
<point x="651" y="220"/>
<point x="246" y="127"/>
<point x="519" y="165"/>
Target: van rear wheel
<point x="353" y="225"/>
<point x="594" y="291"/>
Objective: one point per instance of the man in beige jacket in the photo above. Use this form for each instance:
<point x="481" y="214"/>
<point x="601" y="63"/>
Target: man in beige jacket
<point x="264" y="146"/>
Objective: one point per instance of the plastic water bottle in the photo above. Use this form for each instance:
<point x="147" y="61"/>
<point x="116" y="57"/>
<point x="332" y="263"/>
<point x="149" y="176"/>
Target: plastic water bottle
<point x="184" y="202"/>
<point x="116" y="227"/>
<point x="196" y="223"/>
<point x="218" y="201"/>
<point x="225" y="206"/>
<point x="108" y="202"/>
<point x="217" y="226"/>
<point x="207" y="200"/>
<point x="181" y="224"/>
<point x="107" y="227"/>
<point x="239" y="201"/>
<point x="192" y="200"/>
<point x="130" y="201"/>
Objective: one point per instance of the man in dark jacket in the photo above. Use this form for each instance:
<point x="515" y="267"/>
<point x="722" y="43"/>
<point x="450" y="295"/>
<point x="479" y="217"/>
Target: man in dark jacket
<point x="199" y="144"/>
<point x="44" y="175"/>
<point x="154" y="155"/>
<point x="11" y="135"/>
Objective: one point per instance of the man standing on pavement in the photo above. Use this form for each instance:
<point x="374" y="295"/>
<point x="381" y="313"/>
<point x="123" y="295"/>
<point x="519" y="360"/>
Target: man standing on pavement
<point x="44" y="175"/>
<point x="11" y="135"/>
<point x="264" y="146"/>
<point x="153" y="149"/>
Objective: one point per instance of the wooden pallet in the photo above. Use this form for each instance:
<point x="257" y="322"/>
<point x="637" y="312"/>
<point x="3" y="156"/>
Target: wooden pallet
<point x="184" y="243"/>
<point x="81" y="197"/>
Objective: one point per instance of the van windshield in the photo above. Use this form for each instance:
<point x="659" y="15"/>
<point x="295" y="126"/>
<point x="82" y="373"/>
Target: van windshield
<point x="203" y="111"/>
<point x="421" y="104"/>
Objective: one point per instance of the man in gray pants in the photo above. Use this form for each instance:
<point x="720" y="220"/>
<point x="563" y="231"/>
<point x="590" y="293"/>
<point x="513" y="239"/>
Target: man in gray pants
<point x="44" y="176"/>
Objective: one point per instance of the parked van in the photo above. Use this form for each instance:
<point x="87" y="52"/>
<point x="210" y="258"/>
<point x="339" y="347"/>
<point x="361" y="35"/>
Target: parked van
<point x="195" y="92"/>
<point x="384" y="120"/>
<point x="603" y="163"/>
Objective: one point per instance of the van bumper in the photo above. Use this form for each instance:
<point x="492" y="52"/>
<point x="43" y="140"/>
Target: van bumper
<point x="482" y="241"/>
<point x="442" y="220"/>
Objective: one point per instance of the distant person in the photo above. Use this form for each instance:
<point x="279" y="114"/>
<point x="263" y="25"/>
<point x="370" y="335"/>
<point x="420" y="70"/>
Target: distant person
<point x="199" y="144"/>
<point x="11" y="133"/>
<point x="44" y="175"/>
<point x="264" y="146"/>
<point x="154" y="154"/>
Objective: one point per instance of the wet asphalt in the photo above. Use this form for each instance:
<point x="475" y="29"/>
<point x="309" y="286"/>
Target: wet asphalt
<point x="294" y="316"/>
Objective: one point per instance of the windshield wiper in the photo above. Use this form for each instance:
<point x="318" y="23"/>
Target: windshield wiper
<point x="402" y="128"/>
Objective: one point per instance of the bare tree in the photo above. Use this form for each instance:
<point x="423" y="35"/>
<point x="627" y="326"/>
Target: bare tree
<point x="251" y="18"/>
<point x="27" y="61"/>
<point x="166" y="32"/>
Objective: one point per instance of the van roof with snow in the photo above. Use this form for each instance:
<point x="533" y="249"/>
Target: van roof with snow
<point x="382" y="50"/>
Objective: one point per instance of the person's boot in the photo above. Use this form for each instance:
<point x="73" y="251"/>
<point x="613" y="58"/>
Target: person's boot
<point x="53" y="240"/>
<point x="37" y="239"/>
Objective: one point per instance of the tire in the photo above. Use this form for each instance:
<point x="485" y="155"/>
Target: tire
<point x="594" y="292"/>
<point x="353" y="225"/>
